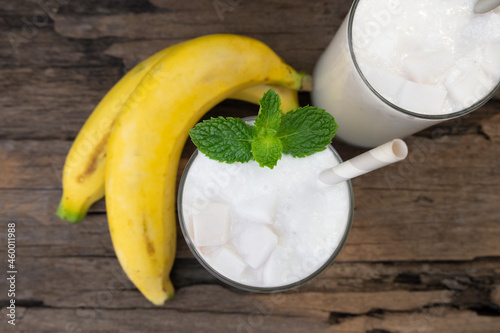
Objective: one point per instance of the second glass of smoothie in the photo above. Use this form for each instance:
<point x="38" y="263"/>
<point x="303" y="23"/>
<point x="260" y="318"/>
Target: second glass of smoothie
<point x="396" y="67"/>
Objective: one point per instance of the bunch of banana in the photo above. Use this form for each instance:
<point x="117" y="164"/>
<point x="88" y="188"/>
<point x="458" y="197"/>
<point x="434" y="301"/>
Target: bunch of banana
<point x="83" y="174"/>
<point x="132" y="142"/>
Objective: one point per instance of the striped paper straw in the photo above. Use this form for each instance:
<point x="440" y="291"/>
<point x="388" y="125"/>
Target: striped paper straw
<point x="388" y="153"/>
<point x="484" y="6"/>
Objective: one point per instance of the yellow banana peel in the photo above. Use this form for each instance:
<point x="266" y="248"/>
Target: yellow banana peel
<point x="83" y="172"/>
<point x="289" y="97"/>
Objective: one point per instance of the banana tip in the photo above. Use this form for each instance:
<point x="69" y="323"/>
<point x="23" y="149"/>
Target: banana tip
<point x="65" y="214"/>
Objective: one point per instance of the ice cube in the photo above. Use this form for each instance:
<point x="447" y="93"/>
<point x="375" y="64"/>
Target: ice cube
<point x="383" y="47"/>
<point x="427" y="67"/>
<point x="491" y="62"/>
<point x="471" y="86"/>
<point x="208" y="250"/>
<point x="277" y="269"/>
<point x="384" y="82"/>
<point x="255" y="244"/>
<point x="212" y="224"/>
<point x="228" y="263"/>
<point x="261" y="209"/>
<point x="422" y="98"/>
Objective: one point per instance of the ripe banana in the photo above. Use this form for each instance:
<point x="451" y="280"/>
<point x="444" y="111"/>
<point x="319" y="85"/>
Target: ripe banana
<point x="289" y="97"/>
<point x="147" y="139"/>
<point x="83" y="173"/>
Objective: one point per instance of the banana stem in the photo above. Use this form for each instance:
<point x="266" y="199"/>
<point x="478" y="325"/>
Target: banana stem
<point x="307" y="83"/>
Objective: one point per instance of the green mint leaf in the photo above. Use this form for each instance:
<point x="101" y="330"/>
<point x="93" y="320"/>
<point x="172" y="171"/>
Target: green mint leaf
<point x="269" y="116"/>
<point x="267" y="148"/>
<point x="306" y="131"/>
<point x="225" y="140"/>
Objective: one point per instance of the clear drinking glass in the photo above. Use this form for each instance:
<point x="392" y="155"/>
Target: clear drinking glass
<point x="252" y="288"/>
<point x="365" y="117"/>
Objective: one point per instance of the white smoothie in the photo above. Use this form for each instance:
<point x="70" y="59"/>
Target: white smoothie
<point x="427" y="60"/>
<point x="261" y="227"/>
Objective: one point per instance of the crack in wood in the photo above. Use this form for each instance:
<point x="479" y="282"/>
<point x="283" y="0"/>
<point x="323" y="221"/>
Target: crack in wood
<point x="490" y="310"/>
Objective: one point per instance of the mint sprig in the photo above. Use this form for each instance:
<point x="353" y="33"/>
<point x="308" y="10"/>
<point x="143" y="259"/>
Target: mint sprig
<point x="300" y="133"/>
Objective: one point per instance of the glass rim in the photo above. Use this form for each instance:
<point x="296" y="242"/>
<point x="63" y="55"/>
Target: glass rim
<point x="452" y="115"/>
<point x="251" y="288"/>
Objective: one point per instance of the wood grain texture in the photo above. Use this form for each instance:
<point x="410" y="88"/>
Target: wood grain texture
<point x="89" y="289"/>
<point x="423" y="254"/>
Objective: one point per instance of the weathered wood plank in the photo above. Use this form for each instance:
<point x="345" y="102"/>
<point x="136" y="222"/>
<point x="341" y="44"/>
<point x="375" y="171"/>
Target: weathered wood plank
<point x="283" y="44"/>
<point x="79" y="274"/>
<point x="59" y="98"/>
<point x="46" y="49"/>
<point x="436" y="319"/>
<point x="30" y="7"/>
<point x="62" y="98"/>
<point x="41" y="163"/>
<point x="43" y="230"/>
<point x="425" y="168"/>
<point x="378" y="233"/>
<point x="447" y="163"/>
<point x="492" y="129"/>
<point x="182" y="20"/>
<point x="343" y="290"/>
<point x="140" y="320"/>
<point x="63" y="95"/>
<point x="32" y="164"/>
<point x="26" y="8"/>
<point x="100" y="282"/>
<point x="469" y="124"/>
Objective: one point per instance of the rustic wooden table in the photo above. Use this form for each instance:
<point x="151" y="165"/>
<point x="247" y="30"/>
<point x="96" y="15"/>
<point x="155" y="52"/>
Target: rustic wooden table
<point x="423" y="254"/>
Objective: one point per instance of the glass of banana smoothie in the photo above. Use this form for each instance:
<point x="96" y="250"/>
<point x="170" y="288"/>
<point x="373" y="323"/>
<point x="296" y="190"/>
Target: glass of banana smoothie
<point x="396" y="67"/>
<point x="264" y="230"/>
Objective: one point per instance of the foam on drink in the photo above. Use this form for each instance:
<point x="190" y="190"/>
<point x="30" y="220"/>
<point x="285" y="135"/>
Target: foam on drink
<point x="283" y="224"/>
